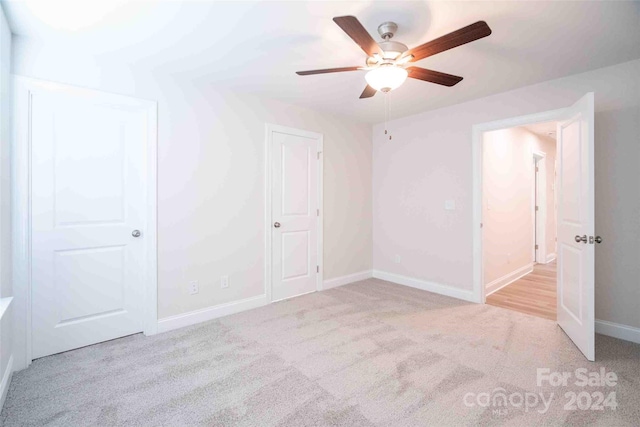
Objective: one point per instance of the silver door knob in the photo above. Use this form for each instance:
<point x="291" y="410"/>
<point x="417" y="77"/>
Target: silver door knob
<point x="276" y="224"/>
<point x="136" y="233"/>
<point x="598" y="239"/>
<point x="581" y="239"/>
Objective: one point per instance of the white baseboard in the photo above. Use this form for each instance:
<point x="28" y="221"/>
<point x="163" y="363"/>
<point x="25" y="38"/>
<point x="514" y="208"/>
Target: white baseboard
<point x="6" y="380"/>
<point x="437" y="288"/>
<point x="345" y="280"/>
<point x="616" y="330"/>
<point x="507" y="279"/>
<point x="209" y="313"/>
<point x="551" y="258"/>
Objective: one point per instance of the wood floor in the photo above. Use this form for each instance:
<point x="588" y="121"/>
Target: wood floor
<point x="533" y="294"/>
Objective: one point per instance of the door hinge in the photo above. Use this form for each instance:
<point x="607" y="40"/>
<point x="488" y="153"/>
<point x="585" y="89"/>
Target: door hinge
<point x="480" y="225"/>
<point x="317" y="212"/>
<point x="536" y="209"/>
<point x="536" y="247"/>
<point x="319" y="154"/>
<point x="536" y="169"/>
<point x="317" y="269"/>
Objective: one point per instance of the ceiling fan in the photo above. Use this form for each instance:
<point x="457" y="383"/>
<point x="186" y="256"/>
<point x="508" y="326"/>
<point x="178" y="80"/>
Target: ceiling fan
<point x="386" y="61"/>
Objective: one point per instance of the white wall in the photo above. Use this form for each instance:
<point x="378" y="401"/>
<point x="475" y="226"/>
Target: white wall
<point x="6" y="343"/>
<point x="507" y="189"/>
<point x="429" y="161"/>
<point x="210" y="177"/>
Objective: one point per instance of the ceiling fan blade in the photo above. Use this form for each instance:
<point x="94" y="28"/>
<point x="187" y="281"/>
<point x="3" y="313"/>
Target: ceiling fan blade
<point x="433" y="76"/>
<point x="368" y="92"/>
<point x="327" y="70"/>
<point x="356" y="31"/>
<point x="457" y="38"/>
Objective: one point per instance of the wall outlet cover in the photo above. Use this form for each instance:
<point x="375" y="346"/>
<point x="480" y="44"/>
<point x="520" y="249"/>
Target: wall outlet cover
<point x="194" y="287"/>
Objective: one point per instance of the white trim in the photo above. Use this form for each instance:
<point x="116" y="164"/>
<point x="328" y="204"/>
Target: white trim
<point x="24" y="88"/>
<point x="345" y="280"/>
<point x="6" y="381"/>
<point x="4" y="305"/>
<point x="437" y="288"/>
<point x="551" y="258"/>
<point x="540" y="194"/>
<point x="617" y="330"/>
<point x="507" y="279"/>
<point x="269" y="129"/>
<point x="209" y="313"/>
<point x="150" y="321"/>
<point x="476" y="152"/>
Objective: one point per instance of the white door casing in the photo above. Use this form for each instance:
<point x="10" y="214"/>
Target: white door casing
<point x="90" y="163"/>
<point x="540" y="201"/>
<point x="575" y="303"/>
<point x="575" y="299"/>
<point x="293" y="212"/>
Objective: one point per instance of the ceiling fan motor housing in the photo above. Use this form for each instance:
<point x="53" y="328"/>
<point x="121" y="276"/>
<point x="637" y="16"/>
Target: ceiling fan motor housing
<point x="387" y="29"/>
<point x="392" y="49"/>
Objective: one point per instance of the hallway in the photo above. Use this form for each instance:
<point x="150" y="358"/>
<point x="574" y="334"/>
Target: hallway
<point x="533" y="294"/>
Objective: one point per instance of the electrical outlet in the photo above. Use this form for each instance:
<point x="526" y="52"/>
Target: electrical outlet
<point x="398" y="259"/>
<point x="224" y="282"/>
<point x="194" y="288"/>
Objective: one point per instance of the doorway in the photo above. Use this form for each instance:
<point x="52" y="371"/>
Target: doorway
<point x="84" y="217"/>
<point x="575" y="216"/>
<point x="293" y="216"/>
<point x="518" y="223"/>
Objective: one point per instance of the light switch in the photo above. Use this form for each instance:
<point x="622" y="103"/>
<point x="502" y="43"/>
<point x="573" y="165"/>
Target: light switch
<point x="450" y="205"/>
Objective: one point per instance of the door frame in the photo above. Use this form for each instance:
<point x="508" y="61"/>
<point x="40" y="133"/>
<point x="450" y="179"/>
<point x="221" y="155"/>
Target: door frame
<point x="540" y="218"/>
<point x="23" y="90"/>
<point x="269" y="129"/>
<point x="477" y="131"/>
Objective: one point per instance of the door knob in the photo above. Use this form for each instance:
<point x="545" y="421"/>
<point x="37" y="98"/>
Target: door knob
<point x="135" y="233"/>
<point x="276" y="224"/>
<point x="581" y="239"/>
<point x="598" y="239"/>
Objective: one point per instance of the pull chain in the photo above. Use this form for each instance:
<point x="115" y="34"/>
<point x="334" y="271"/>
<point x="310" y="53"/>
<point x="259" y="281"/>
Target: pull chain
<point x="387" y="108"/>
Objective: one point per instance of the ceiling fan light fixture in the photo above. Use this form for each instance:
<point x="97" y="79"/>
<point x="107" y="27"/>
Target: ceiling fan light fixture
<point x="386" y="77"/>
<point x="392" y="49"/>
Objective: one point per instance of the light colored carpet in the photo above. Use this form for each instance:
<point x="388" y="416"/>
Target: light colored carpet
<point x="369" y="353"/>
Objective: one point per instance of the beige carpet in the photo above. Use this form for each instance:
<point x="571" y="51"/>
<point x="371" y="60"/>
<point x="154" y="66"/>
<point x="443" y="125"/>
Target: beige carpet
<point x="369" y="353"/>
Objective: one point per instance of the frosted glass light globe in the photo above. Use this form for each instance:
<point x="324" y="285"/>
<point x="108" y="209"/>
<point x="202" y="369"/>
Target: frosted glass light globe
<point x="386" y="77"/>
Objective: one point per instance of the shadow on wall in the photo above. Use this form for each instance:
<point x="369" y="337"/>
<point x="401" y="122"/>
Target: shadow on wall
<point x="617" y="213"/>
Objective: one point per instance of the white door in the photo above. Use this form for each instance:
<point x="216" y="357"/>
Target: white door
<point x="576" y="225"/>
<point x="88" y="196"/>
<point x="295" y="212"/>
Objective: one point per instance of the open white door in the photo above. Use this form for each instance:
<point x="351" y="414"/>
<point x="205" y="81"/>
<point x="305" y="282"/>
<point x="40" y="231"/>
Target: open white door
<point x="576" y="225"/>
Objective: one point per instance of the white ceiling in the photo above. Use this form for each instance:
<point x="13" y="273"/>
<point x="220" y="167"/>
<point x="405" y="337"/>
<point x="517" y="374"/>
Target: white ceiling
<point x="255" y="47"/>
<point x="546" y="129"/>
